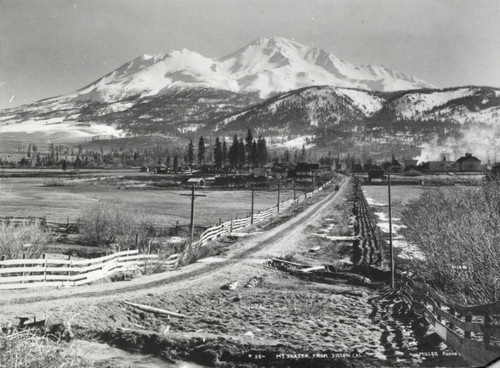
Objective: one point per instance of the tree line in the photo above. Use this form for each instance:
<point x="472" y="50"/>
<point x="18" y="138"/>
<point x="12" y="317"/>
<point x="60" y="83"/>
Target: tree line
<point x="242" y="152"/>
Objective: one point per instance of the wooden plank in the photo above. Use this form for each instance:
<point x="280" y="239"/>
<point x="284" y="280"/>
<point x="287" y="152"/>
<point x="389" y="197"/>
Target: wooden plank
<point x="147" y="308"/>
<point x="290" y="263"/>
<point x="313" y="268"/>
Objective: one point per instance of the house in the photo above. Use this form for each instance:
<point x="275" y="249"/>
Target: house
<point x="279" y="172"/>
<point x="440" y="166"/>
<point x="187" y="170"/>
<point x="197" y="182"/>
<point x="233" y="181"/>
<point x="162" y="169"/>
<point x="410" y="164"/>
<point x="259" y="171"/>
<point x="208" y="169"/>
<point x="469" y="163"/>
<point x="393" y="166"/>
<point x="375" y="174"/>
<point x="306" y="170"/>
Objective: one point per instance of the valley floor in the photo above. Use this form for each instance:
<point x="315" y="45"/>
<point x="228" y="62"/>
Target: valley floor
<point x="282" y="321"/>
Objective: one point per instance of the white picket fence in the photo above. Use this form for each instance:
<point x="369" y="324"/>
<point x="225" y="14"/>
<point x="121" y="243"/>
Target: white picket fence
<point x="31" y="273"/>
<point x="228" y="227"/>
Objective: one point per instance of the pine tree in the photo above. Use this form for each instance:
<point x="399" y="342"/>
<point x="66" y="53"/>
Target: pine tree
<point x="218" y="154"/>
<point x="224" y="153"/>
<point x="201" y="151"/>
<point x="176" y="163"/>
<point x="254" y="155"/>
<point x="241" y="153"/>
<point x="286" y="155"/>
<point x="261" y="151"/>
<point x="190" y="153"/>
<point x="234" y="151"/>
<point x="248" y="146"/>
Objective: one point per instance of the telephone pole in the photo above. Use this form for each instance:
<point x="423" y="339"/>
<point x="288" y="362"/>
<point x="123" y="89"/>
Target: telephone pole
<point x="193" y="197"/>
<point x="279" y="189"/>
<point x="294" y="187"/>
<point x="253" y="196"/>
<point x="393" y="283"/>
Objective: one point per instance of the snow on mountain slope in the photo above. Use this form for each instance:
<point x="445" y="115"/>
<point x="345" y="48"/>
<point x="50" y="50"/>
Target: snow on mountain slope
<point x="465" y="104"/>
<point x="315" y="104"/>
<point x="266" y="66"/>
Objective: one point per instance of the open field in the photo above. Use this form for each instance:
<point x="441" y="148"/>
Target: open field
<point x="29" y="197"/>
<point x="377" y="198"/>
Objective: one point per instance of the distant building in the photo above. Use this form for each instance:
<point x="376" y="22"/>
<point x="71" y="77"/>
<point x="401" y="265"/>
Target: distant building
<point x="187" y="170"/>
<point x="279" y="172"/>
<point x="440" y="166"/>
<point x="306" y="170"/>
<point x="410" y="164"/>
<point x="197" y="182"/>
<point x="469" y="163"/>
<point x="376" y="173"/>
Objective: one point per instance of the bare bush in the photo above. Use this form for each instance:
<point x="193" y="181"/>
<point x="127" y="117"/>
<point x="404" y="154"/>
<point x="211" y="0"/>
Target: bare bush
<point x="28" y="239"/>
<point x="457" y="231"/>
<point x="106" y="223"/>
<point x="27" y="350"/>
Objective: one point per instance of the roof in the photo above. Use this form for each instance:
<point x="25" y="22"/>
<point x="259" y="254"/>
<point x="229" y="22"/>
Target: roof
<point x="468" y="157"/>
<point x="195" y="180"/>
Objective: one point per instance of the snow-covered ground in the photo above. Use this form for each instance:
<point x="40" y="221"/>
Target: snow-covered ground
<point x="294" y="143"/>
<point x="69" y="129"/>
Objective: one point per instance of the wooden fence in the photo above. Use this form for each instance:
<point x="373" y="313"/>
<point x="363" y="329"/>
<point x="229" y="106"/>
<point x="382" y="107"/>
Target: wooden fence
<point x="473" y="331"/>
<point x="228" y="227"/>
<point x="30" y="273"/>
<point x="10" y="220"/>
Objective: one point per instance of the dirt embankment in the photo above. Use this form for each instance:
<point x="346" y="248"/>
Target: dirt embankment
<point x="280" y="321"/>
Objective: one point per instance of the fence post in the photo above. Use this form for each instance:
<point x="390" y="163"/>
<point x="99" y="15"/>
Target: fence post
<point x="452" y="312"/>
<point x="438" y="306"/>
<point x="231" y="228"/>
<point x="487" y="332"/>
<point x="45" y="268"/>
<point x="467" y="333"/>
<point x="24" y="265"/>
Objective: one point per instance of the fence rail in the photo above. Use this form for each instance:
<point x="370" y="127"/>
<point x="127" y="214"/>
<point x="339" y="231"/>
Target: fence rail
<point x="30" y="273"/>
<point x="469" y="330"/>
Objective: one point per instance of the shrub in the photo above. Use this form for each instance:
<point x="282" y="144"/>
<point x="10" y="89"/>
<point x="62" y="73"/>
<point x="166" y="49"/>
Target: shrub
<point x="27" y="350"/>
<point x="106" y="223"/>
<point x="28" y="239"/>
<point x="457" y="232"/>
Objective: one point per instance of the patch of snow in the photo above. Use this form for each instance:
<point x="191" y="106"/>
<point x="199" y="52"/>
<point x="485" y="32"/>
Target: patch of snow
<point x="293" y="143"/>
<point x="56" y="125"/>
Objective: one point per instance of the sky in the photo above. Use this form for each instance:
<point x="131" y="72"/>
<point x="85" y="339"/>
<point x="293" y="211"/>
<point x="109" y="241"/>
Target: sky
<point x="53" y="47"/>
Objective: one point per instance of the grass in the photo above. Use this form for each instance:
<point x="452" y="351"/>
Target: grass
<point x="27" y="350"/>
<point x="28" y="239"/>
<point x="29" y="197"/>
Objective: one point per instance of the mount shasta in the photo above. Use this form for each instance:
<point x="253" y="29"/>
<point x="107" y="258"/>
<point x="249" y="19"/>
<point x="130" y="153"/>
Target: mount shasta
<point x="276" y="86"/>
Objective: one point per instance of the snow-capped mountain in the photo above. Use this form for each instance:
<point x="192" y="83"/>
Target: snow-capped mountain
<point x="266" y="66"/>
<point x="315" y="106"/>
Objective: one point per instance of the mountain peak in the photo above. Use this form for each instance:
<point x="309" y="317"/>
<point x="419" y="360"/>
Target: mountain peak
<point x="266" y="65"/>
